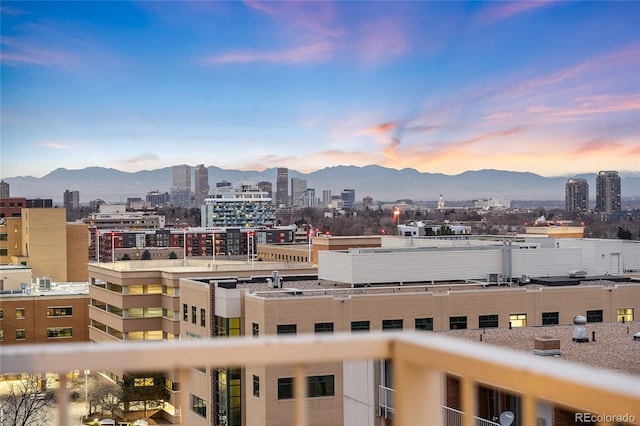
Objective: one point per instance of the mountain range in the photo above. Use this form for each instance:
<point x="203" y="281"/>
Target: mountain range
<point x="383" y="184"/>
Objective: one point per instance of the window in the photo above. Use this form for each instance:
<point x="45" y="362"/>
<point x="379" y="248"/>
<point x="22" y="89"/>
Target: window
<point x="320" y="386"/>
<point x="194" y="311"/>
<point x="1" y="335"/>
<point x="185" y="312"/>
<point x="550" y="318"/>
<point x="3" y="237"/>
<point x="60" y="311"/>
<point x="488" y="321"/>
<point x="255" y="329"/>
<point x="1" y="314"/>
<point x="21" y="334"/>
<point x="4" y="252"/>
<point x="360" y="326"/>
<point x="457" y="323"/>
<point x="203" y="317"/>
<point x="424" y="323"/>
<point x="625" y="314"/>
<point x="20" y="313"/>
<point x="594" y="316"/>
<point x="287" y="328"/>
<point x="198" y="405"/>
<point x="256" y="386"/>
<point x="324" y="327"/>
<point x="394" y="324"/>
<point x="285" y="388"/>
<point x="59" y="332"/>
<point x="518" y="320"/>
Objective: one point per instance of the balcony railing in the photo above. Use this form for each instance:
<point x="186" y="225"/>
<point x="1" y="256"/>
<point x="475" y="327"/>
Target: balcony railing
<point x="420" y="361"/>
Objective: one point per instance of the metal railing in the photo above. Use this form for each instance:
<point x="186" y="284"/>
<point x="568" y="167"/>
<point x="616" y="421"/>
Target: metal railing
<point x="453" y="417"/>
<point x="385" y="402"/>
<point x="420" y="361"/>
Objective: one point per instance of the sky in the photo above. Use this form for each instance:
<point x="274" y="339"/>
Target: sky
<point x="547" y="87"/>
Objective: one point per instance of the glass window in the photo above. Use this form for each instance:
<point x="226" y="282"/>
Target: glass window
<point x="20" y="313"/>
<point x="1" y="314"/>
<point x="60" y="311"/>
<point x="285" y="388"/>
<point x="59" y="332"/>
<point x="594" y="316"/>
<point x="360" y="326"/>
<point x="518" y="320"/>
<point x="185" y="312"/>
<point x="424" y="323"/>
<point x="255" y="329"/>
<point x="488" y="321"/>
<point x="203" y="317"/>
<point x="625" y="314"/>
<point x="194" y="316"/>
<point x="550" y="318"/>
<point x="256" y="386"/>
<point x="324" y="327"/>
<point x="320" y="386"/>
<point x="1" y="335"/>
<point x="287" y="328"/>
<point x="457" y="323"/>
<point x="393" y="324"/>
<point x="198" y="405"/>
<point x="3" y="237"/>
<point x="21" y="334"/>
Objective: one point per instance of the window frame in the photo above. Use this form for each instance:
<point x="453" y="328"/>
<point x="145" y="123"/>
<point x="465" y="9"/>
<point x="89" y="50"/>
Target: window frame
<point x="323" y="327"/>
<point x="458" y="320"/>
<point x="359" y="326"/>
<point x="595" y="315"/>
<point x="550" y="318"/>
<point x="488" y="321"/>
<point x="425" y="324"/>
<point x="285" y="388"/>
<point x="256" y="386"/>
<point x="392" y="324"/>
<point x="287" y="329"/>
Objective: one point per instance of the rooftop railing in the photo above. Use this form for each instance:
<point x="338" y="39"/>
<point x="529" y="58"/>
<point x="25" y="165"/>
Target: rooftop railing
<point x="419" y="359"/>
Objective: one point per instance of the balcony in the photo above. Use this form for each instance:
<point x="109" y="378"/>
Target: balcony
<point x="420" y="361"/>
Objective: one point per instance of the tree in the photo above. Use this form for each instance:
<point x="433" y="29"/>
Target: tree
<point x="147" y="389"/>
<point x="27" y="402"/>
<point x="445" y="230"/>
<point x="624" y="234"/>
<point x="146" y="255"/>
<point x="173" y="255"/>
<point x="125" y="257"/>
<point x="103" y="396"/>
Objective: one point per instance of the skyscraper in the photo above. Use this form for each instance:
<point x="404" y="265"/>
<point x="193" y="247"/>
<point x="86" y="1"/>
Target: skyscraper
<point x="608" y="196"/>
<point x="298" y="186"/>
<point x="576" y="194"/>
<point x="266" y="187"/>
<point x="71" y="199"/>
<point x="349" y="197"/>
<point x="4" y="189"/>
<point x="180" y="192"/>
<point x="201" y="178"/>
<point x="282" y="187"/>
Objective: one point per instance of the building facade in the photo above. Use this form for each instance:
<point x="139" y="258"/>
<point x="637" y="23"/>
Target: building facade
<point x="71" y="200"/>
<point x="298" y="188"/>
<point x="180" y="191"/>
<point x="608" y="192"/>
<point x="282" y="187"/>
<point x="576" y="194"/>
<point x="349" y="198"/>
<point x="5" y="189"/>
<point x="201" y="178"/>
<point x="242" y="205"/>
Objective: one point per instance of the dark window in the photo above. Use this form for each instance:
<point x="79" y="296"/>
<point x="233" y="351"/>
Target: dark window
<point x="193" y="315"/>
<point x="59" y="332"/>
<point x="457" y="323"/>
<point x="360" y="326"/>
<point x="1" y="314"/>
<point x="487" y="321"/>
<point x="594" y="316"/>
<point x="287" y="328"/>
<point x="424" y="323"/>
<point x="3" y="237"/>
<point x="255" y="329"/>
<point x="285" y="388"/>
<point x="550" y="318"/>
<point x="394" y="324"/>
<point x="185" y="312"/>
<point x="4" y="252"/>
<point x="198" y="406"/>
<point x="320" y="386"/>
<point x="203" y="317"/>
<point x="21" y="334"/>
<point x="256" y="386"/>
<point x="324" y="327"/>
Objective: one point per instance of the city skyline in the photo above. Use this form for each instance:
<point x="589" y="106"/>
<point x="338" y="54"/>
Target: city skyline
<point x="546" y="87"/>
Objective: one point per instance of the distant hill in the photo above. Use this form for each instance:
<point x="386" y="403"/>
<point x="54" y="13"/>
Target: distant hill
<point x="383" y="184"/>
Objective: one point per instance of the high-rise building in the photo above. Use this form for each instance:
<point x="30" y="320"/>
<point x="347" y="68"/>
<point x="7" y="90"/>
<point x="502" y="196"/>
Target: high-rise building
<point x="608" y="196"/>
<point x="266" y="187"/>
<point x="4" y="189"/>
<point x="157" y="199"/>
<point x="576" y="193"/>
<point x="367" y="202"/>
<point x="71" y="200"/>
<point x="240" y="205"/>
<point x="349" y="197"/>
<point x="326" y="197"/>
<point x="201" y="178"/>
<point x="298" y="186"/>
<point x="309" y="198"/>
<point x="282" y="187"/>
<point x="180" y="191"/>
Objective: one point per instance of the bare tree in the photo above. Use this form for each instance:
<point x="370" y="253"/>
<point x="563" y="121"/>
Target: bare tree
<point x="28" y="402"/>
<point x="103" y="395"/>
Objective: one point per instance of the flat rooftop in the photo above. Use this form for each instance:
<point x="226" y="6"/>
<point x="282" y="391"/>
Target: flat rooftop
<point x="614" y="348"/>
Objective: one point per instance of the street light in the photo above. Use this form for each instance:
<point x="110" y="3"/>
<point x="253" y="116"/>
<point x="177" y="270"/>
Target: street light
<point x="86" y="392"/>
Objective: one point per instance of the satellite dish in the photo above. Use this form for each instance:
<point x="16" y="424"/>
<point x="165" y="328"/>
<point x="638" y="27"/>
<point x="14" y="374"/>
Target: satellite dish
<point x="506" y="418"/>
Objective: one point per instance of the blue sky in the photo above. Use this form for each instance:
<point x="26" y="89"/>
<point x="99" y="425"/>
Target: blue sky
<point x="547" y="87"/>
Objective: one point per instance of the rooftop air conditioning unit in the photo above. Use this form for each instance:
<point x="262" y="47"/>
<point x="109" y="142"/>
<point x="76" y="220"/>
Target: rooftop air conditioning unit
<point x="577" y="274"/>
<point x="44" y="283"/>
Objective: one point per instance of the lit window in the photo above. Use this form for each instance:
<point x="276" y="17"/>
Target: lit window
<point x="518" y="320"/>
<point x="625" y="314"/>
<point x="59" y="332"/>
<point x="20" y="313"/>
<point x="60" y="311"/>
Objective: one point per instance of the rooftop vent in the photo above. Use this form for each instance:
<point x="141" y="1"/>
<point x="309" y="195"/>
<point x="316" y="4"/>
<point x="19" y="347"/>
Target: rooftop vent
<point x="546" y="346"/>
<point x="580" y="333"/>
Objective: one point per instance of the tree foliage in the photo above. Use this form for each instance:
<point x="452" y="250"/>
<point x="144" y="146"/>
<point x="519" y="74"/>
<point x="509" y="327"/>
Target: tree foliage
<point x="146" y="255"/>
<point x="147" y="389"/>
<point x="28" y="402"/>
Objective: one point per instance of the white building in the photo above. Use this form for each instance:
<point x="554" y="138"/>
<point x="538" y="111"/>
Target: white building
<point x="242" y="204"/>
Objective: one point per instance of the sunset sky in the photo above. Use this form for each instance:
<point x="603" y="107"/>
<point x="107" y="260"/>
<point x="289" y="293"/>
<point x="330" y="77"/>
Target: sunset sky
<point x="547" y="87"/>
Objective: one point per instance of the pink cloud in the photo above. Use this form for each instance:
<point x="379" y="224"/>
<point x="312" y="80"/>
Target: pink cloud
<point x="54" y="145"/>
<point x="499" y="11"/>
<point x="318" y="52"/>
<point x="595" y="146"/>
<point x="379" y="39"/>
<point x="18" y="52"/>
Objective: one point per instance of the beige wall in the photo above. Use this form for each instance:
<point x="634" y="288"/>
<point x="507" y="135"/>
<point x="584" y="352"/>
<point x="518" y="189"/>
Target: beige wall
<point x="77" y="252"/>
<point x="13" y="228"/>
<point x="44" y="242"/>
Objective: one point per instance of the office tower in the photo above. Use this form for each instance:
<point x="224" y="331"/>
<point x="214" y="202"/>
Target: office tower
<point x="201" y="178"/>
<point x="367" y="202"/>
<point x="608" y="197"/>
<point x="576" y="193"/>
<point x="349" y="197"/>
<point x="266" y="187"/>
<point x="326" y="197"/>
<point x="309" y="197"/>
<point x="180" y="191"/>
<point x="71" y="199"/>
<point x="240" y="205"/>
<point x="4" y="189"/>
<point x="298" y="186"/>
<point x="282" y="187"/>
<point x="157" y="199"/>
